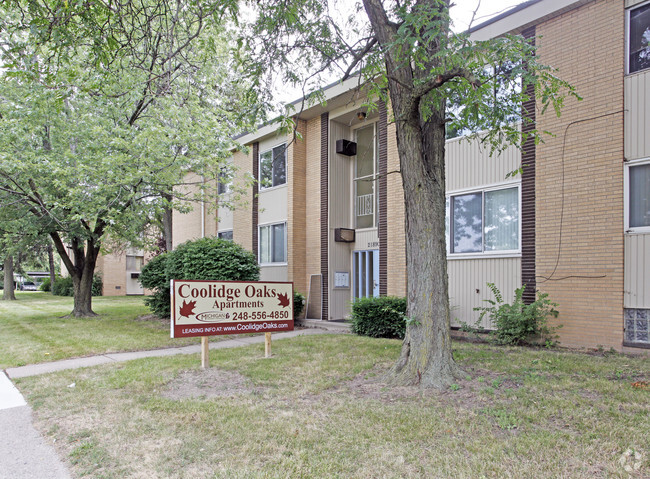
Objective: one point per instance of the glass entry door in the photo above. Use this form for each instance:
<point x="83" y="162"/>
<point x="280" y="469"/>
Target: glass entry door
<point x="366" y="273"/>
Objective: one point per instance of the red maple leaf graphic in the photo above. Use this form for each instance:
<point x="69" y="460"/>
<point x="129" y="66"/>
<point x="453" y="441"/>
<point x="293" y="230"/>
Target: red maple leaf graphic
<point x="284" y="300"/>
<point x="187" y="309"/>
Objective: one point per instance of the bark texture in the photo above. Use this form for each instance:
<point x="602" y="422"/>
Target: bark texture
<point x="426" y="358"/>
<point x="9" y="287"/>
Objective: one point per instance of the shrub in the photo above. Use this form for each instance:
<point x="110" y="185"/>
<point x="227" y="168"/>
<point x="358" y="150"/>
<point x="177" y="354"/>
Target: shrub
<point x="64" y="286"/>
<point x="519" y="323"/>
<point x="298" y="303"/>
<point x="380" y="317"/>
<point x="202" y="259"/>
<point x="46" y="285"/>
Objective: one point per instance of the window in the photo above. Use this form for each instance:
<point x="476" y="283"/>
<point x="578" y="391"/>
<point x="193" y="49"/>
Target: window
<point x="226" y="235"/>
<point x="273" y="245"/>
<point x="223" y="185"/>
<point x="273" y="167"/>
<point x="134" y="263"/>
<point x="365" y="183"/>
<point x="483" y="221"/>
<point x="638" y="43"/>
<point x="639" y="196"/>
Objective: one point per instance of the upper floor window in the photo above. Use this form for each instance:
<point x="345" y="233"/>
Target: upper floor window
<point x="638" y="42"/>
<point x="273" y="243"/>
<point x="223" y="185"/>
<point x="273" y="167"/>
<point x="483" y="221"/>
<point x="638" y="217"/>
<point x="365" y="178"/>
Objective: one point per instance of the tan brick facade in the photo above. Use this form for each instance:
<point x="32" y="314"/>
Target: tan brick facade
<point x="112" y="268"/>
<point x="579" y="176"/>
<point x="395" y="210"/>
<point x="296" y="224"/>
<point x="242" y="218"/>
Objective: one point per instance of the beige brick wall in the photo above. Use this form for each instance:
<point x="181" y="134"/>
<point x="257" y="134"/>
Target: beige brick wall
<point x="395" y="212"/>
<point x="112" y="268"/>
<point x="312" y="199"/>
<point x="188" y="226"/>
<point x="243" y="199"/>
<point x="586" y="45"/>
<point x="296" y="223"/>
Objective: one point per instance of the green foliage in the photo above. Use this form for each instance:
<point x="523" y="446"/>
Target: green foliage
<point x="203" y="259"/>
<point x="298" y="303"/>
<point x="64" y="287"/>
<point x="380" y="317"/>
<point x="46" y="285"/>
<point x="519" y="323"/>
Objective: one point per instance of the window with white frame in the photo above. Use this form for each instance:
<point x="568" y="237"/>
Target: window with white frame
<point x="638" y="38"/>
<point x="272" y="243"/>
<point x="273" y="167"/>
<point x="224" y="178"/>
<point x="483" y="221"/>
<point x="365" y="178"/>
<point x="226" y="235"/>
<point x="638" y="196"/>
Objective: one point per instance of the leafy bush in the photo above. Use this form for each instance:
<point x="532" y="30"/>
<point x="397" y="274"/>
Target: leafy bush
<point x="519" y="323"/>
<point x="298" y="303"/>
<point x="202" y="259"/>
<point x="46" y="285"/>
<point x="380" y="317"/>
<point x="64" y="287"/>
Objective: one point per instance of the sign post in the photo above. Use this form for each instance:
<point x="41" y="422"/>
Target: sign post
<point x="209" y="308"/>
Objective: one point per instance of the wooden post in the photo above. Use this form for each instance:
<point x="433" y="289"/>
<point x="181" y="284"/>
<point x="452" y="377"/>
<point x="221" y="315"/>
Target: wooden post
<point x="205" y="352"/>
<point x="267" y="345"/>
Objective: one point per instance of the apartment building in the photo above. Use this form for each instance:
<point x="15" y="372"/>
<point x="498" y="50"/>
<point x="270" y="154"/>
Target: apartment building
<point x="327" y="212"/>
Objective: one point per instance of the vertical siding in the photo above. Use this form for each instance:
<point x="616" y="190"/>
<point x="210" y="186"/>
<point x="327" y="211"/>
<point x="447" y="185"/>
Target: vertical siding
<point x="339" y="217"/>
<point x="468" y="285"/>
<point x="469" y="164"/>
<point x="637" y="271"/>
<point x="274" y="273"/>
<point x="273" y="205"/>
<point x="637" y="117"/>
<point x="241" y="217"/>
<point x="366" y="239"/>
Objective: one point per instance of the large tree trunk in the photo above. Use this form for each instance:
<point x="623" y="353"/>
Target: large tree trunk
<point x="50" y="259"/>
<point x="167" y="222"/>
<point x="426" y="357"/>
<point x="9" y="285"/>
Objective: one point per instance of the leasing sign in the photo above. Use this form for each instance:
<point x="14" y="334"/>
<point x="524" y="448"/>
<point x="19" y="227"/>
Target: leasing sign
<point x="208" y="308"/>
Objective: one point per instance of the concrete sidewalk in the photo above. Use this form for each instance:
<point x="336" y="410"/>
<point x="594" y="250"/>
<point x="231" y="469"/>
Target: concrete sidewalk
<point x="24" y="453"/>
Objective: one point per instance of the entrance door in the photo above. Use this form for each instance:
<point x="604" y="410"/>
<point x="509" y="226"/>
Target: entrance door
<point x="366" y="274"/>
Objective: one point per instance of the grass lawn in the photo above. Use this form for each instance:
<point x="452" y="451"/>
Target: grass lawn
<point x="33" y="329"/>
<point x="318" y="409"/>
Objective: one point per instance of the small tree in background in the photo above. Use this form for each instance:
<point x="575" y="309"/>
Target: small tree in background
<point x="208" y="259"/>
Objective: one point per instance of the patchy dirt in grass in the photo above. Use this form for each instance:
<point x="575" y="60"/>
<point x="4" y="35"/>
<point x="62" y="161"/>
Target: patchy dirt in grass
<point x="478" y="388"/>
<point x="207" y="384"/>
<point x="152" y="318"/>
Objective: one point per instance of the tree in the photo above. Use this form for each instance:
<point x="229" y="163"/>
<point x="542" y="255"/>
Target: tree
<point x="105" y="107"/>
<point x="407" y="55"/>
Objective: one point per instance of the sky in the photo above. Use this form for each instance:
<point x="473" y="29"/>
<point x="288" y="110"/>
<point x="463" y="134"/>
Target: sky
<point x="461" y="14"/>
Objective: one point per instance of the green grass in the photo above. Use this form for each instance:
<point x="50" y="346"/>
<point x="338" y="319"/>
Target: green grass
<point x="36" y="329"/>
<point x="318" y="409"/>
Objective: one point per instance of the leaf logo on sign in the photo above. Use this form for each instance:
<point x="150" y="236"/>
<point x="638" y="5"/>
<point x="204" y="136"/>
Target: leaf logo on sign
<point x="284" y="300"/>
<point x="187" y="308"/>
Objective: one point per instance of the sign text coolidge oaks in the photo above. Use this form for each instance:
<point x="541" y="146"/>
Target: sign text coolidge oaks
<point x="206" y="308"/>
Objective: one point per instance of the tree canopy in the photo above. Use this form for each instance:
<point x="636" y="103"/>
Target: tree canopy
<point x="105" y="107"/>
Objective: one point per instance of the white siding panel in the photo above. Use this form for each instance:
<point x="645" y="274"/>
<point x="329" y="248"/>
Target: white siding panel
<point x="468" y="285"/>
<point x="469" y="164"/>
<point x="225" y="218"/>
<point x="274" y="273"/>
<point x="273" y="207"/>
<point x="340" y="212"/>
<point x="637" y="117"/>
<point x="366" y="239"/>
<point x="637" y="271"/>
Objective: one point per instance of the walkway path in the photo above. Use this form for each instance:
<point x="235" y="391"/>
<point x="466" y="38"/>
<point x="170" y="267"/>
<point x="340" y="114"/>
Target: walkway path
<point x="24" y="453"/>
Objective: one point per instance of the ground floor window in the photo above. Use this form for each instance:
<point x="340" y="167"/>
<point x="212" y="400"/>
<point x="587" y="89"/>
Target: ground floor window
<point x="226" y="235"/>
<point x="637" y="325"/>
<point x="366" y="274"/>
<point x="273" y="244"/>
<point x="483" y="221"/>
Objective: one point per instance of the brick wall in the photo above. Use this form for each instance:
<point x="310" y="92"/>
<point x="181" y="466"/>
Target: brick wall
<point x="296" y="224"/>
<point x="395" y="211"/>
<point x="242" y="219"/>
<point x="579" y="180"/>
<point x="112" y="268"/>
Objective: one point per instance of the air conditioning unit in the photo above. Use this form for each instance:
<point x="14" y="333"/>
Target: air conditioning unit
<point x="346" y="147"/>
